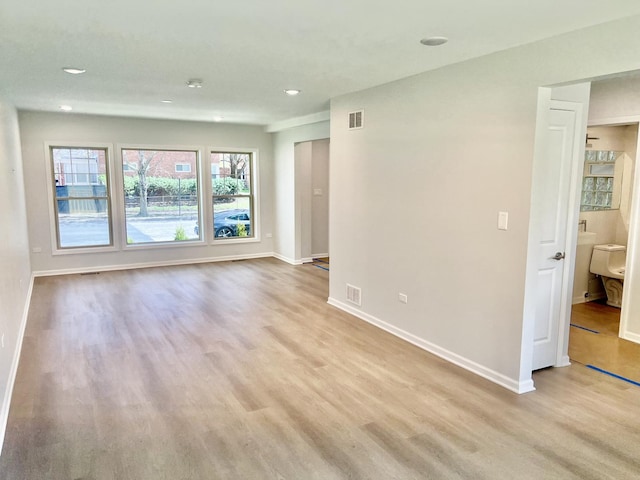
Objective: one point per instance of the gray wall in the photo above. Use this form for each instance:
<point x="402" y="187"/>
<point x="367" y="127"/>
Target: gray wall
<point x="312" y="185"/>
<point x="320" y="197"/>
<point x="416" y="192"/>
<point x="38" y="128"/>
<point x="15" y="270"/>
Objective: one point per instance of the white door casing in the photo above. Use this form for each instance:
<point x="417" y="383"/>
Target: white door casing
<point x="554" y="250"/>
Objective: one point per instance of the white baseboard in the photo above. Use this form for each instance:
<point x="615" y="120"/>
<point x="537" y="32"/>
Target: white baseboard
<point x="164" y="263"/>
<point x="565" y="361"/>
<point x="632" y="337"/>
<point x="492" y="375"/>
<point x="319" y="255"/>
<point x="291" y="261"/>
<point x="6" y="402"/>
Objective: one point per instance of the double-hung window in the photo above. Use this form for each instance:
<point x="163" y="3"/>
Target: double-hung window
<point x="161" y="195"/>
<point x="82" y="203"/>
<point x="232" y="183"/>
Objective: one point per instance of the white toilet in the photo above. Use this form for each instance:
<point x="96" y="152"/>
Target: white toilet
<point x="609" y="261"/>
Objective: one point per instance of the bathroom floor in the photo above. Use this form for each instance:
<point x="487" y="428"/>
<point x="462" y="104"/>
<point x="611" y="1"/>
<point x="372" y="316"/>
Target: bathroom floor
<point x="594" y="341"/>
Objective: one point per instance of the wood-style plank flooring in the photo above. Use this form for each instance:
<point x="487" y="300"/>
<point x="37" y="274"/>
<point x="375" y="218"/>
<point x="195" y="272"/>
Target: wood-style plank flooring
<point x="602" y="347"/>
<point x="241" y="370"/>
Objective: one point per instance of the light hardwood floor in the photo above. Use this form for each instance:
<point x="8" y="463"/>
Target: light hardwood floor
<point x="604" y="349"/>
<point x="241" y="370"/>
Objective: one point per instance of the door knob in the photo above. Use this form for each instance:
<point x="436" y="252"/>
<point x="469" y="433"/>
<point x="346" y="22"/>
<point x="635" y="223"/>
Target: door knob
<point x="558" y="256"/>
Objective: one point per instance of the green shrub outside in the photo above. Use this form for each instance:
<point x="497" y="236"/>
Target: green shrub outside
<point x="162" y="186"/>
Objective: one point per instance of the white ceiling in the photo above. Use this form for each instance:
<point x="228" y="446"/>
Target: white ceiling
<point x="139" y="52"/>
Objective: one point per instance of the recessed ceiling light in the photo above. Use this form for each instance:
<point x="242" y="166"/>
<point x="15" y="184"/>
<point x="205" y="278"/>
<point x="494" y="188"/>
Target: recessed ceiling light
<point x="434" y="41"/>
<point x="73" y="70"/>
<point x="292" y="92"/>
<point x="65" y="108"/>
<point x="218" y="119"/>
<point x="194" y="83"/>
<point x="166" y="101"/>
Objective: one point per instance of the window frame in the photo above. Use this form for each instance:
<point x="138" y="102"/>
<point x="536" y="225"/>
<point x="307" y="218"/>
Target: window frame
<point x="119" y="178"/>
<point x="56" y="248"/>
<point x="254" y="197"/>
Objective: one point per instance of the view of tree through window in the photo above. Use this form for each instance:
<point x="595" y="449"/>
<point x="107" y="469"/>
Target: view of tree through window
<point x="161" y="195"/>
<point x="231" y="177"/>
<point x="82" y="203"/>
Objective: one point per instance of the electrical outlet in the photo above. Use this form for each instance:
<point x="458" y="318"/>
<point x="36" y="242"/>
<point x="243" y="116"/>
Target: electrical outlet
<point x="402" y="298"/>
<point x="269" y="235"/>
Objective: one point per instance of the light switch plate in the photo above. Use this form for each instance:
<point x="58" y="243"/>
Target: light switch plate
<point x="317" y="192"/>
<point x="503" y="220"/>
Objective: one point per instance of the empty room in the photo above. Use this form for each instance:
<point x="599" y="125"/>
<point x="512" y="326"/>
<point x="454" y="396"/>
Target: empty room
<point x="319" y="240"/>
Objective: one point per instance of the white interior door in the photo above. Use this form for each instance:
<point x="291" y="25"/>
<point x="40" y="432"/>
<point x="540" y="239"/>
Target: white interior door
<point x="553" y="208"/>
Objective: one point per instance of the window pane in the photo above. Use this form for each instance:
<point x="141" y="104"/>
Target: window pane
<point x="84" y="228"/>
<point x="232" y="217"/>
<point x="82" y="197"/>
<point x="161" y="195"/>
<point x="232" y="194"/>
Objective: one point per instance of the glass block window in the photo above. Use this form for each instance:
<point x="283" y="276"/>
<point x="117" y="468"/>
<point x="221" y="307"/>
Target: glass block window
<point x="598" y="180"/>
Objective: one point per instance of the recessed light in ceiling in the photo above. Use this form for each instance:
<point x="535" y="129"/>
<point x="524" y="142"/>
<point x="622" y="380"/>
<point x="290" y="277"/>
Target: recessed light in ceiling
<point x="194" y="83"/>
<point x="292" y="92"/>
<point x="166" y="101"/>
<point x="218" y="119"/>
<point x="65" y="108"/>
<point x="434" y="41"/>
<point x="73" y="70"/>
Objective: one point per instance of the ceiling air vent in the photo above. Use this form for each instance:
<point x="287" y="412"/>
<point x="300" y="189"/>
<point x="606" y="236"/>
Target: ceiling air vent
<point x="354" y="295"/>
<point x="356" y="119"/>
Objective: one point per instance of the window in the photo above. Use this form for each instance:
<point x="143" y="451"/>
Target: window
<point x="599" y="181"/>
<point x="82" y="205"/>
<point x="161" y="197"/>
<point x="233" y="194"/>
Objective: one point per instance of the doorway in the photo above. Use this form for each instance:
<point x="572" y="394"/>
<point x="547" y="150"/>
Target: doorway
<point x="605" y="208"/>
<point x="602" y="111"/>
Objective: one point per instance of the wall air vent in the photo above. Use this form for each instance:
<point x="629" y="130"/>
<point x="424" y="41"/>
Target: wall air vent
<point x="356" y="120"/>
<point x="354" y="295"/>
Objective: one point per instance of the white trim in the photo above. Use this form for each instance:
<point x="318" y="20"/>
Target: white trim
<point x="163" y="263"/>
<point x="298" y="122"/>
<point x="632" y="337"/>
<point x="6" y="402"/>
<point x="207" y="196"/>
<point x="288" y="260"/>
<point x="613" y="121"/>
<point x="53" y="215"/>
<point x="491" y="375"/>
<point x="319" y="255"/>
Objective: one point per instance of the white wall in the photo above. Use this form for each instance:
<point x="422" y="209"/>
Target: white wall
<point x="38" y="128"/>
<point x="287" y="208"/>
<point x="15" y="270"/>
<point x="415" y="196"/>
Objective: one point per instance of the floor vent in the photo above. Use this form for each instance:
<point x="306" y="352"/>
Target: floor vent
<point x="354" y="295"/>
<point x="356" y="119"/>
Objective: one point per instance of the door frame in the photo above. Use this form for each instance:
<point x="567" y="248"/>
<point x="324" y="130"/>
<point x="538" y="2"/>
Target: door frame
<point x="546" y="103"/>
